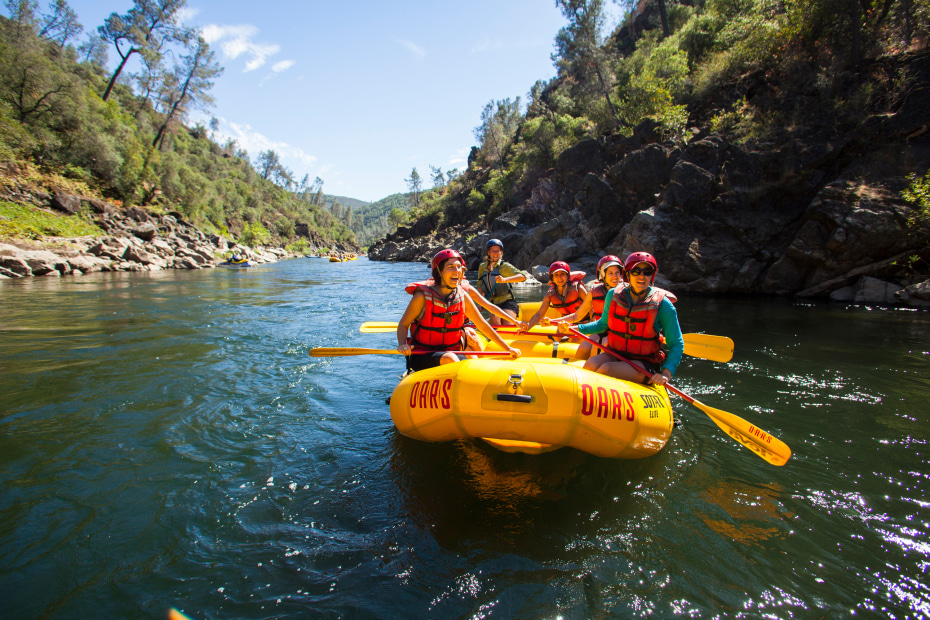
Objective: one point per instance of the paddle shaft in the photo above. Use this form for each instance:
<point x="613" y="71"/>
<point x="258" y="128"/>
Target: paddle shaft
<point x="765" y="445"/>
<point x="349" y="351"/>
<point x="703" y="346"/>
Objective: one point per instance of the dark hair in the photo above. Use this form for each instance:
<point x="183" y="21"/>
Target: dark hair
<point x="437" y="270"/>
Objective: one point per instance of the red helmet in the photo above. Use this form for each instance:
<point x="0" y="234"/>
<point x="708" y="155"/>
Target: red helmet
<point x="639" y="257"/>
<point x="606" y="262"/>
<point x="559" y="266"/>
<point x="443" y="255"/>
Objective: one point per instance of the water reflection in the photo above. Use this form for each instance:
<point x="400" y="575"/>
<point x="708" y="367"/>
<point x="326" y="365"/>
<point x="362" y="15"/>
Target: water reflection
<point x="167" y="442"/>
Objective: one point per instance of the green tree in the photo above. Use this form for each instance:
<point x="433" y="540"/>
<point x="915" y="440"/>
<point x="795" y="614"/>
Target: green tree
<point x="499" y="123"/>
<point x="579" y="55"/>
<point x="396" y="217"/>
<point x="31" y="83"/>
<point x="143" y="30"/>
<point x="60" y="24"/>
<point x="439" y="179"/>
<point x="254" y="234"/>
<point x="189" y="85"/>
<point x="94" y="51"/>
<point x="414" y="184"/>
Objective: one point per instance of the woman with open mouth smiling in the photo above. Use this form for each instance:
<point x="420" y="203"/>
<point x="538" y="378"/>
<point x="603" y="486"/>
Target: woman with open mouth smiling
<point x="435" y="318"/>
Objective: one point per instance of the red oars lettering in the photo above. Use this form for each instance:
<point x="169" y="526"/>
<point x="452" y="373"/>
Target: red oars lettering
<point x="587" y="399"/>
<point x="761" y="434"/>
<point x="433" y="394"/>
<point x="616" y="405"/>
<point x="413" y="395"/>
<point x="602" y="402"/>
<point x="609" y="405"/>
<point x="446" y="400"/>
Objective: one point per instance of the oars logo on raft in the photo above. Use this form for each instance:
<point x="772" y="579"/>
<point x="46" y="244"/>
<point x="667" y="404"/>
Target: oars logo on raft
<point x="431" y="394"/>
<point x="614" y="406"/>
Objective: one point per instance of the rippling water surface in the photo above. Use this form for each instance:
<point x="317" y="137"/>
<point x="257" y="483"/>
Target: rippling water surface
<point x="166" y="441"/>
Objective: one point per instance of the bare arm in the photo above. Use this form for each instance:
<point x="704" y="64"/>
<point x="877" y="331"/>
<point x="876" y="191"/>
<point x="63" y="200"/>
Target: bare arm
<point x="482" y="301"/>
<point x="583" y="310"/>
<point x="543" y="308"/>
<point x="414" y="308"/>
<point x="471" y="311"/>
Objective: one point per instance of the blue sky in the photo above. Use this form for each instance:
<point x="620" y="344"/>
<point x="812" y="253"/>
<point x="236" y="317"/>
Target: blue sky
<point x="359" y="93"/>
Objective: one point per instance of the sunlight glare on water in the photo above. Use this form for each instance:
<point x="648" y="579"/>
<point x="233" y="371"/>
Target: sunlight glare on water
<point x="166" y="441"/>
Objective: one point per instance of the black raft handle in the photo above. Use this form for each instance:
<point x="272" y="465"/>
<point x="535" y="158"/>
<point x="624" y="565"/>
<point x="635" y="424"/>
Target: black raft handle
<point x="515" y="398"/>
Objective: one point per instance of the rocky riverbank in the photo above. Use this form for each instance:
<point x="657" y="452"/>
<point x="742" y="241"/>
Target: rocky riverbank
<point x="135" y="240"/>
<point x="817" y="214"/>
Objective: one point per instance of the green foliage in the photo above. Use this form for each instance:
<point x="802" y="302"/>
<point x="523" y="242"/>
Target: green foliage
<point x="254" y="234"/>
<point x="918" y="193"/>
<point x="52" y="115"/>
<point x="747" y="35"/>
<point x="477" y="202"/>
<point x="545" y="137"/>
<point x="301" y="246"/>
<point x="27" y="222"/>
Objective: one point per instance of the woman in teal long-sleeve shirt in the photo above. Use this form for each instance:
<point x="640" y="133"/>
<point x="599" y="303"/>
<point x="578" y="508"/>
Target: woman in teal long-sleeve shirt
<point x="628" y="310"/>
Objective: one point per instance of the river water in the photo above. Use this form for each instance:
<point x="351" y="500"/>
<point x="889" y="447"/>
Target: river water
<point x="166" y="441"/>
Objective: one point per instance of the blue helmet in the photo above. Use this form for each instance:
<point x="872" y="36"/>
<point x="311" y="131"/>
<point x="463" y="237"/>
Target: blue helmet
<point x="493" y="242"/>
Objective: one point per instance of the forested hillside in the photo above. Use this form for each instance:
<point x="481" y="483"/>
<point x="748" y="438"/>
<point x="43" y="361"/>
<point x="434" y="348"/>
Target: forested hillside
<point x="373" y="221"/>
<point x="67" y="123"/>
<point x="757" y="73"/>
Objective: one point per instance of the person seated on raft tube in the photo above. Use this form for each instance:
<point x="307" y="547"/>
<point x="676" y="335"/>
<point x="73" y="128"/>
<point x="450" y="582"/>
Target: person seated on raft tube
<point x="436" y="317"/>
<point x="473" y="344"/>
<point x="609" y="275"/>
<point x="494" y="278"/>
<point x="635" y="314"/>
<point x="565" y="294"/>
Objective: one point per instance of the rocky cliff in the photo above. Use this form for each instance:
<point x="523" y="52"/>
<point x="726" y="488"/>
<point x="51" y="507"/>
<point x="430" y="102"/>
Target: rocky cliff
<point x="136" y="240"/>
<point x="818" y="214"/>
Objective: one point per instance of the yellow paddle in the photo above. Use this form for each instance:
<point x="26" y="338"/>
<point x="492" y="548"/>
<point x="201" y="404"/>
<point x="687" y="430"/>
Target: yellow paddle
<point x="704" y="346"/>
<point x="770" y="448"/>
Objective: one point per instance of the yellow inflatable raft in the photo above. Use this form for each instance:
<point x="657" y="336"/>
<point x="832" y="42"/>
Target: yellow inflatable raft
<point x="533" y="405"/>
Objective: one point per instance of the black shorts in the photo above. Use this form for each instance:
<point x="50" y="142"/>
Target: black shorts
<point x="422" y="361"/>
<point x="652" y="367"/>
<point x="511" y="305"/>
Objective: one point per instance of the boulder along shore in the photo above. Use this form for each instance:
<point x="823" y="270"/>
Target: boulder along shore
<point x="805" y="219"/>
<point x="136" y="240"/>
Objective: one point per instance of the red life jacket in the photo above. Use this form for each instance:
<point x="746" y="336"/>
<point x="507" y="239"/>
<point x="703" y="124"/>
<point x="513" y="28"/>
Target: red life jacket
<point x="598" y="294"/>
<point x="631" y="329"/>
<point x="572" y="300"/>
<point x="440" y="327"/>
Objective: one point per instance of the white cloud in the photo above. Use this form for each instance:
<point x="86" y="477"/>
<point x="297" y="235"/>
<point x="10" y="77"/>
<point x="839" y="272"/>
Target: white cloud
<point x="278" y="67"/>
<point x="459" y="159"/>
<point x="255" y="142"/>
<point x="185" y="14"/>
<point x="237" y="40"/>
<point x="413" y="47"/>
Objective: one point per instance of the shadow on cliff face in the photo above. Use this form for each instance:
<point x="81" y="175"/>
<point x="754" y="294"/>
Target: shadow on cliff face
<point x="815" y="212"/>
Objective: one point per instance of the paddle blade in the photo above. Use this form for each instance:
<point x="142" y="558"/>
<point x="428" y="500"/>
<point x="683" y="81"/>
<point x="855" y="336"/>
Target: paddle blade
<point x="768" y="447"/>
<point x="377" y="327"/>
<point x="345" y="352"/>
<point x="714" y="348"/>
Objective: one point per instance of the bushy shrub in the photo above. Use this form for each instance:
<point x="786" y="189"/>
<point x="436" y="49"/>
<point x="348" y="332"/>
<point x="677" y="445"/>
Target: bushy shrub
<point x="254" y="234"/>
<point x="918" y="193"/>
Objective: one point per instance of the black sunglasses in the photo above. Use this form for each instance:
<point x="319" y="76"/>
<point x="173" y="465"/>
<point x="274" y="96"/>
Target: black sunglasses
<point x="648" y="271"/>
